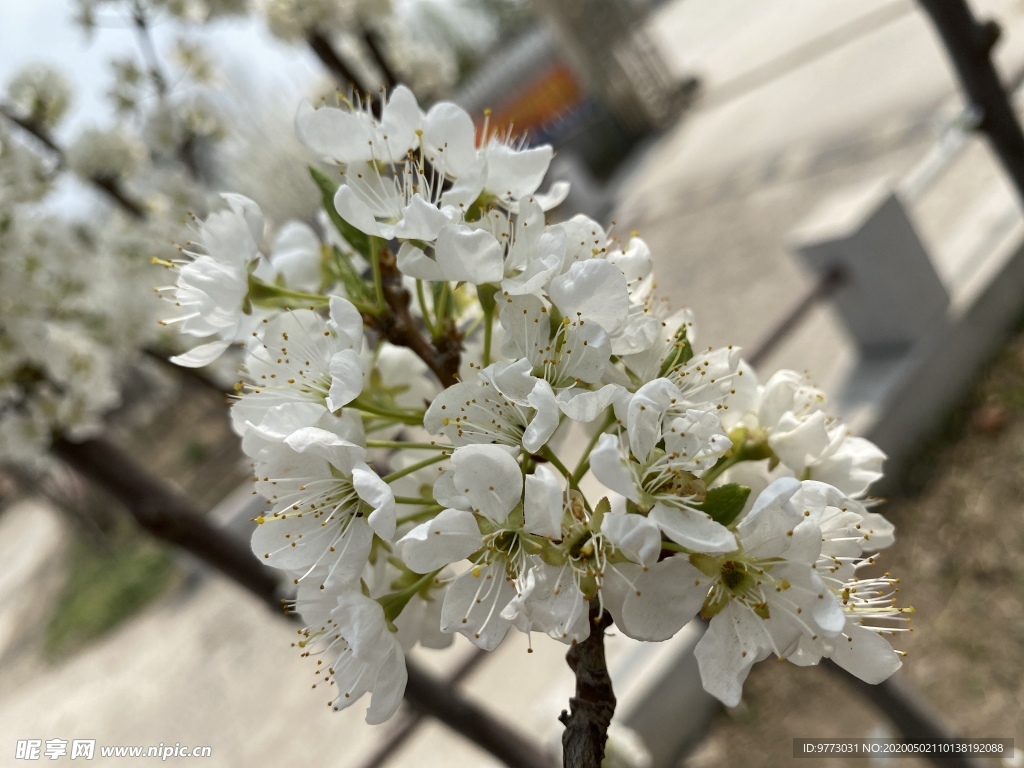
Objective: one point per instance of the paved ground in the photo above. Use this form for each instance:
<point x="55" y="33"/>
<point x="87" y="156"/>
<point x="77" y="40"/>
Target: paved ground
<point x="800" y="98"/>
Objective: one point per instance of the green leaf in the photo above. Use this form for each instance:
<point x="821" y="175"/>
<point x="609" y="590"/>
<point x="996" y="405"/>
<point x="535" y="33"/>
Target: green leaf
<point x="355" y="286"/>
<point x="602" y="508"/>
<point x="725" y="502"/>
<point x="360" y="241"/>
<point x="680" y="354"/>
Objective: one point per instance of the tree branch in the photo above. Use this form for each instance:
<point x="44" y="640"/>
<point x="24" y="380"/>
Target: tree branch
<point x="111" y="186"/>
<point x="969" y="44"/>
<point x="108" y="185"/>
<point x="426" y="695"/>
<point x="444" y="356"/>
<point x="189" y="146"/>
<point x="906" y="712"/>
<point x="330" y="58"/>
<point x="586" y="729"/>
<point x="156" y="70"/>
<point x="36" y="130"/>
<point x="170" y="517"/>
<point x="372" y="40"/>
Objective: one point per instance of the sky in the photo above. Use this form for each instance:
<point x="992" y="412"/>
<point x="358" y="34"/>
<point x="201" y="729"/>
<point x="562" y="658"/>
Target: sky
<point x="250" y="61"/>
<point x="43" y="30"/>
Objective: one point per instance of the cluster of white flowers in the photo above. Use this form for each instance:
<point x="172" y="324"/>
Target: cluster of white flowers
<point x="292" y="20"/>
<point x="40" y="93"/>
<point x="189" y="11"/>
<point x="113" y="153"/>
<point x="67" y="330"/>
<point x="465" y="419"/>
<point x="23" y="174"/>
<point x="74" y="306"/>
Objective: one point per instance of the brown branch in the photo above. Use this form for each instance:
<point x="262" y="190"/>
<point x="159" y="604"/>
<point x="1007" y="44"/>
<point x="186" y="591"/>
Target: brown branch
<point x="906" y="712"/>
<point x="969" y="46"/>
<point x="398" y="326"/>
<point x="168" y="516"/>
<point x="431" y="698"/>
<point x="108" y="185"/>
<point x="330" y="58"/>
<point x="156" y="72"/>
<point x="372" y="40"/>
<point x="586" y="729"/>
<point x="111" y="186"/>
<point x="36" y="130"/>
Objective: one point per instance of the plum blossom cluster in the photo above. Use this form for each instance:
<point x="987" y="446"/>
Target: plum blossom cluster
<point x="466" y="420"/>
<point x="75" y="309"/>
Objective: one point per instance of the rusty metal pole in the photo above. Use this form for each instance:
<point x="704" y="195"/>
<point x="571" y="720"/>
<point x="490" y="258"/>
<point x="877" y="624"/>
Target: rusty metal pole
<point x="969" y="44"/>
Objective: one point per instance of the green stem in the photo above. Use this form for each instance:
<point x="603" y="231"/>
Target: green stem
<point x="723" y="464"/>
<point x="410" y="446"/>
<point x="441" y="308"/>
<point x="411" y="417"/>
<point x="673" y="547"/>
<point x="413" y="468"/>
<point x="584" y="463"/>
<point x="488" y="330"/>
<point x="414" y="500"/>
<point x="423" y="514"/>
<point x="378" y="281"/>
<point x="395" y="603"/>
<point x="267" y="294"/>
<point x="422" y="299"/>
<point x="548" y="454"/>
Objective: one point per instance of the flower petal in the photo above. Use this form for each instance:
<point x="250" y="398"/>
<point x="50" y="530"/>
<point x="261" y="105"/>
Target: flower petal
<point x="451" y="536"/>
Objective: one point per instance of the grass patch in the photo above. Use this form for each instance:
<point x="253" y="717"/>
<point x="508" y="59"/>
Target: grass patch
<point x="103" y="589"/>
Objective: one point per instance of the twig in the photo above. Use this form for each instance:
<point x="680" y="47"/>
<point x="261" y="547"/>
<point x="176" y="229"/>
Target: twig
<point x="969" y="44"/>
<point x="156" y="70"/>
<point x="586" y="729"/>
<point x="111" y="186"/>
<point x="187" y="149"/>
